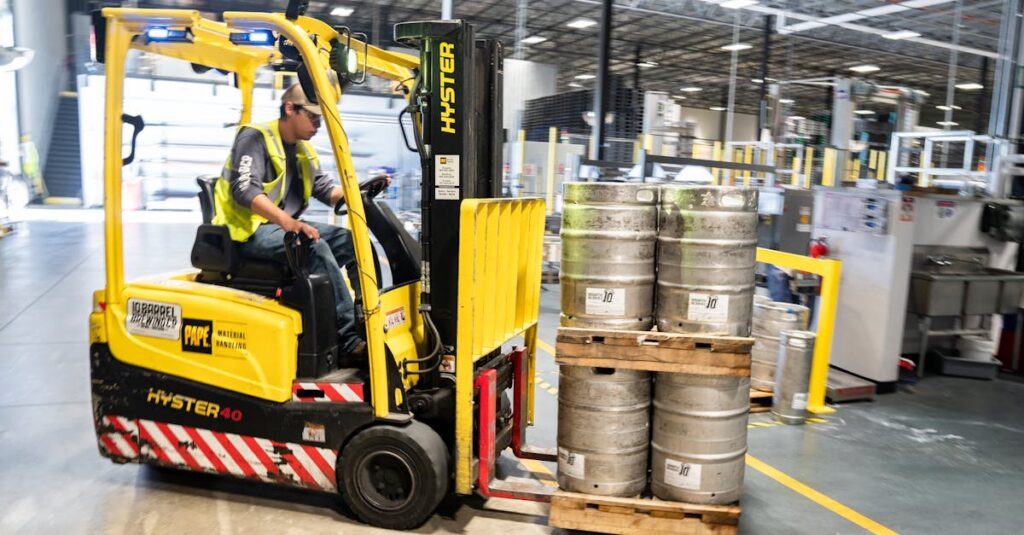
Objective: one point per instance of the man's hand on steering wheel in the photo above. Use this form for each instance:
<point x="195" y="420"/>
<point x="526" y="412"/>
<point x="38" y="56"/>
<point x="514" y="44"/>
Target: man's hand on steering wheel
<point x="370" y="187"/>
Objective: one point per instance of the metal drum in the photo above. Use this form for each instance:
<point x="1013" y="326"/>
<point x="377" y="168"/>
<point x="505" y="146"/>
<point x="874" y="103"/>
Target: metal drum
<point x="603" y="430"/>
<point x="793" y="376"/>
<point x="699" y="437"/>
<point x="770" y="319"/>
<point x="707" y="244"/>
<point x="609" y="232"/>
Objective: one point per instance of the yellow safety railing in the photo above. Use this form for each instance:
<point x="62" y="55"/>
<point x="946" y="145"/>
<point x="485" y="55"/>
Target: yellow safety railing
<point x="829" y="271"/>
<point x="500" y="250"/>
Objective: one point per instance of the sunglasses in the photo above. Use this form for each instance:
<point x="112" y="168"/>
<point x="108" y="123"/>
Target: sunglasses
<point x="313" y="118"/>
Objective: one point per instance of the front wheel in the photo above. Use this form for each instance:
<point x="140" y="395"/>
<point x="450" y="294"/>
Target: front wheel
<point x="394" y="477"/>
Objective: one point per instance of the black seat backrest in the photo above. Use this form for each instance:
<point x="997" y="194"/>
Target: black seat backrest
<point x="206" y="185"/>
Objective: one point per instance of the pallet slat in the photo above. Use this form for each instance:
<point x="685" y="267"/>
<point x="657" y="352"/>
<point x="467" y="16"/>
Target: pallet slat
<point x="653" y="351"/>
<point x="640" y="515"/>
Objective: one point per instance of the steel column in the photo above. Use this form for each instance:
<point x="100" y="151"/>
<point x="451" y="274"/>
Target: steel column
<point x="762" y="117"/>
<point x="597" y="135"/>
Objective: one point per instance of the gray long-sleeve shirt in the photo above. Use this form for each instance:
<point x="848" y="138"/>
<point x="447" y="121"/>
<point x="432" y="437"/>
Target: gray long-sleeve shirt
<point x="251" y="168"/>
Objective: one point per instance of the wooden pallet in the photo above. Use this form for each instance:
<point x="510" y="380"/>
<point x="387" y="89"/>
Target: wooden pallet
<point x="640" y="515"/>
<point x="653" y="351"/>
<point x="760" y="401"/>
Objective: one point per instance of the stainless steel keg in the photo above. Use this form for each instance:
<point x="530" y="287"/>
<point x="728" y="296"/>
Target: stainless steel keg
<point x="609" y="235"/>
<point x="707" y="245"/>
<point x="771" y="318"/>
<point x="603" y="430"/>
<point x="793" y="376"/>
<point x="699" y="437"/>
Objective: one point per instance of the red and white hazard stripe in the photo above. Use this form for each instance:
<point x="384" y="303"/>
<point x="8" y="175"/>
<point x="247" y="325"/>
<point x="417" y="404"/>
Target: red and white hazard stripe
<point x="202" y="450"/>
<point x="117" y="437"/>
<point x="332" y="392"/>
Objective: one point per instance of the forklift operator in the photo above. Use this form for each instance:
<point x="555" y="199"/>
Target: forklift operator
<point x="266" y="184"/>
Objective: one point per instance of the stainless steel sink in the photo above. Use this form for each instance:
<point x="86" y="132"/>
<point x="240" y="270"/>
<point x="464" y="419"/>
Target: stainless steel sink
<point x="965" y="290"/>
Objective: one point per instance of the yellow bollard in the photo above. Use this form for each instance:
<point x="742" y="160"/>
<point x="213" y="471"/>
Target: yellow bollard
<point x="748" y="158"/>
<point x="808" y="167"/>
<point x="828" y="168"/>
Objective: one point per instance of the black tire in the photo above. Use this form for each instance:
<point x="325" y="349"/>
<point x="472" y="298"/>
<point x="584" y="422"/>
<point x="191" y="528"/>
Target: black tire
<point x="394" y="477"/>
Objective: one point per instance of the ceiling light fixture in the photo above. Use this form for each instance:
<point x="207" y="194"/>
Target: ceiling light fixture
<point x="947" y="123"/>
<point x="342" y="11"/>
<point x="865" y="68"/>
<point x="575" y="84"/>
<point x="786" y="101"/>
<point x="795" y="118"/>
<point x="580" y="24"/>
<point x="717" y="108"/>
<point x="647" y="64"/>
<point x="757" y="80"/>
<point x="736" y="47"/>
<point x="585" y="77"/>
<point x="863" y="112"/>
<point x="737" y="4"/>
<point x="690" y="89"/>
<point x="943" y="107"/>
<point x="970" y="86"/>
<point x="679" y="97"/>
<point x="533" y="39"/>
<point x="902" y="34"/>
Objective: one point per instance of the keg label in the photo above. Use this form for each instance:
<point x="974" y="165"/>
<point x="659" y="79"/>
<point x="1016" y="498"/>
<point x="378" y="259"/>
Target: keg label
<point x="682" y="475"/>
<point x="708" y="307"/>
<point x="571" y="464"/>
<point x="606" y="301"/>
<point x="800" y="401"/>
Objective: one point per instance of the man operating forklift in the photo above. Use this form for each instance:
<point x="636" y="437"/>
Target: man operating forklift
<point x="264" y="189"/>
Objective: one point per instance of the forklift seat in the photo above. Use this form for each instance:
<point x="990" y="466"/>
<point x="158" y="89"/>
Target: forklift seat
<point x="215" y="254"/>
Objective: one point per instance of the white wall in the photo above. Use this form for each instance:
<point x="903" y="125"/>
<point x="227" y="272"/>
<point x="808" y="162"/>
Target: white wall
<point x="40" y="25"/>
<point x="744" y="127"/>
<point x="8" y="96"/>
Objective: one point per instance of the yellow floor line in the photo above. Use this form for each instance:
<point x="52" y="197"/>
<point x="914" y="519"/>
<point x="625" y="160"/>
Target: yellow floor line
<point x="817" y="497"/>
<point x="545" y="347"/>
<point x="538" y="469"/>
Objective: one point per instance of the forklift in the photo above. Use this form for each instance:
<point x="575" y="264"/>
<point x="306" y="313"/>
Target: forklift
<point x="232" y="367"/>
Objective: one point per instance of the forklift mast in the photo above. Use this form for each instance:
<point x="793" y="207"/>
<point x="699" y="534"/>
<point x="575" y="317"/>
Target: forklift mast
<point x="457" y="101"/>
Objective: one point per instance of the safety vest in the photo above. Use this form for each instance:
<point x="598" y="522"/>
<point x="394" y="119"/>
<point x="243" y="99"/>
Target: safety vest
<point x="240" y="220"/>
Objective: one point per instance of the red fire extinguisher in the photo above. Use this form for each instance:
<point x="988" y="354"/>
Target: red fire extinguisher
<point x="819" y="247"/>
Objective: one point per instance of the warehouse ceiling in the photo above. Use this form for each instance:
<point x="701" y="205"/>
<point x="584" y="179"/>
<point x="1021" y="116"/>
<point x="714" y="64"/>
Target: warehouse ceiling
<point x="666" y="45"/>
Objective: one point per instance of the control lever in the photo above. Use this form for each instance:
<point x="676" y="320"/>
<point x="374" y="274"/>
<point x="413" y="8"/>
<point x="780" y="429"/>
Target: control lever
<point x="296" y="250"/>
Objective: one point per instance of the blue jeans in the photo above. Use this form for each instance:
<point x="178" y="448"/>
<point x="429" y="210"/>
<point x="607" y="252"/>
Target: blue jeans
<point x="333" y="250"/>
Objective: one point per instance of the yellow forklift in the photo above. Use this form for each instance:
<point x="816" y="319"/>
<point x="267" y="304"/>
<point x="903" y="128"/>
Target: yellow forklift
<point x="232" y="367"/>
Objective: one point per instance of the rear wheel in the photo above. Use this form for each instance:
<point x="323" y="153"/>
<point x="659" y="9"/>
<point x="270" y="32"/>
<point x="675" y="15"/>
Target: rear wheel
<point x="394" y="477"/>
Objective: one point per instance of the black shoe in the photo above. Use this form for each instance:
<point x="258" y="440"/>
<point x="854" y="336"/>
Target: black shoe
<point x="357" y="358"/>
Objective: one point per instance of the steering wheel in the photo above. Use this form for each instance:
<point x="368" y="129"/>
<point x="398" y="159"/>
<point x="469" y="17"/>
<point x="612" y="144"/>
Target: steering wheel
<point x="370" y="187"/>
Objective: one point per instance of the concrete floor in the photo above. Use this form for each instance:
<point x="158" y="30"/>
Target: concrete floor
<point x="943" y="456"/>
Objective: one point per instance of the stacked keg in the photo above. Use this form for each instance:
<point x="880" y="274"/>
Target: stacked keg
<point x="609" y="234"/>
<point x="770" y="319"/>
<point x="707" y="247"/>
<point x="603" y="430"/>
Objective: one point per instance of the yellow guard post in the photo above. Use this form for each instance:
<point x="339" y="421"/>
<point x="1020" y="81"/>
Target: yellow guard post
<point x="829" y="271"/>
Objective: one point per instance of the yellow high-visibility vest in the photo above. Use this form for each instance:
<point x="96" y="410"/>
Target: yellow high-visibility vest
<point x="240" y="220"/>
